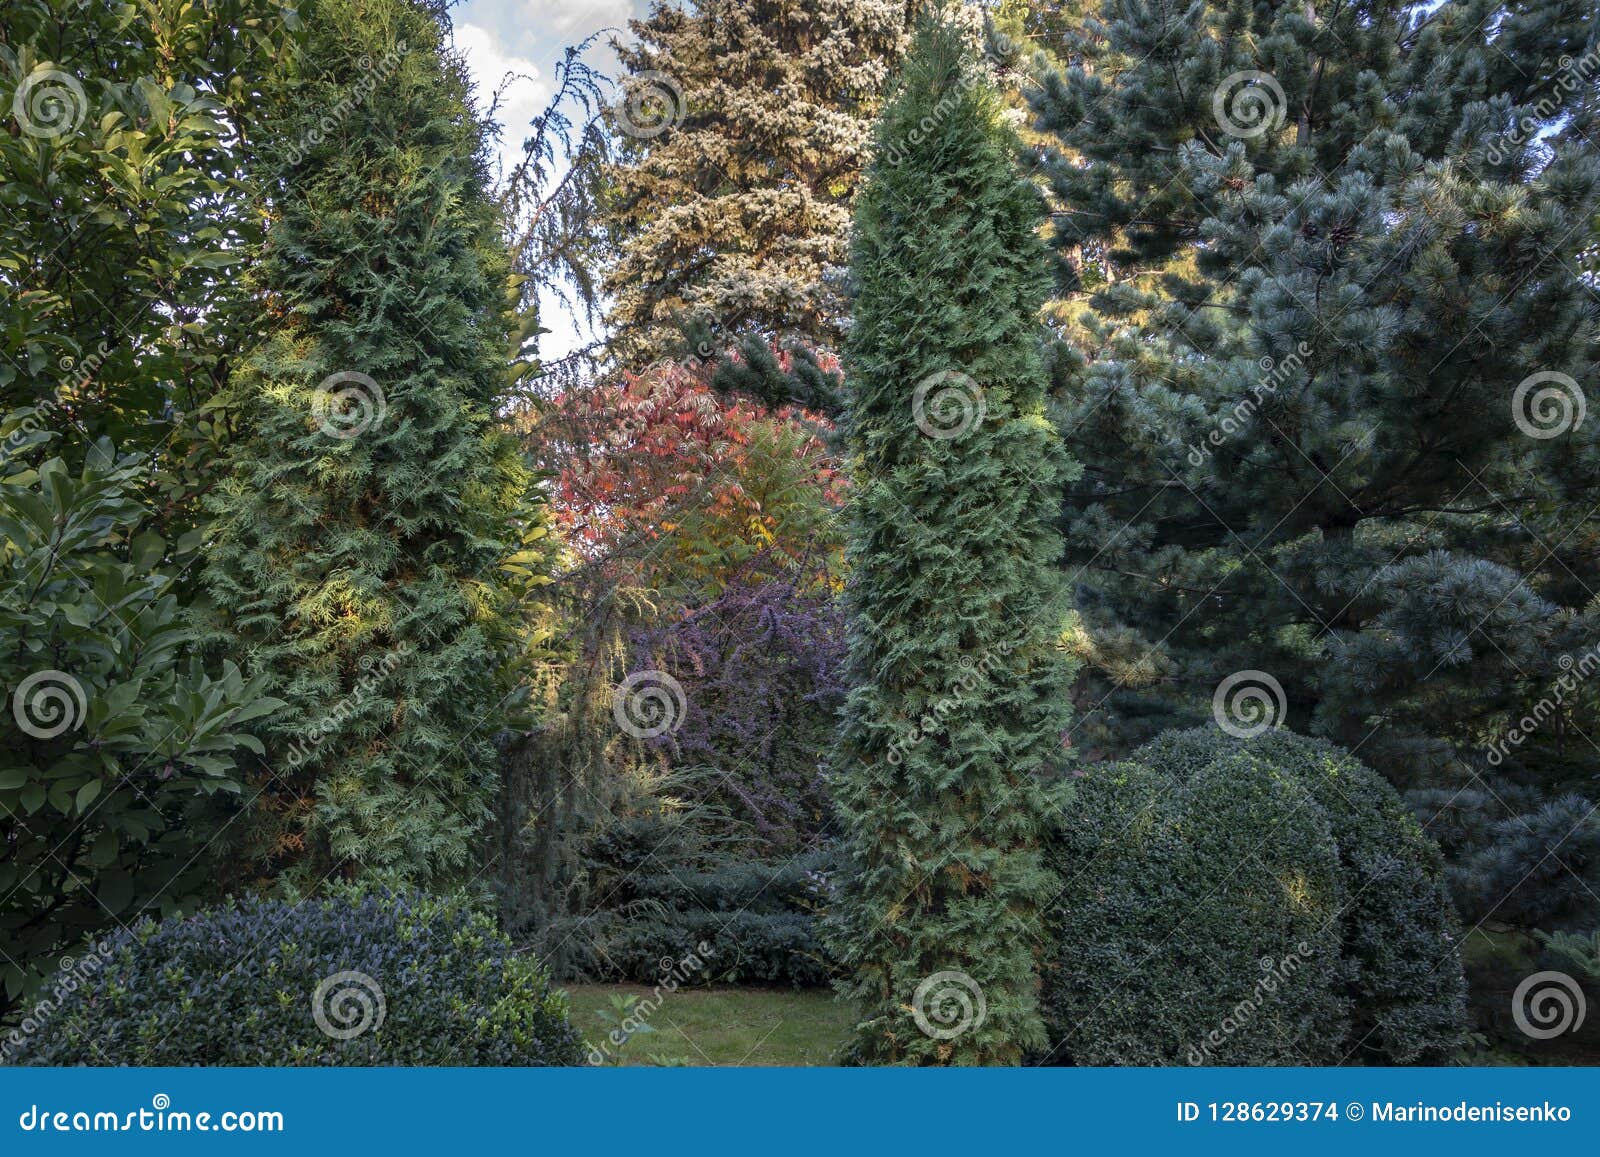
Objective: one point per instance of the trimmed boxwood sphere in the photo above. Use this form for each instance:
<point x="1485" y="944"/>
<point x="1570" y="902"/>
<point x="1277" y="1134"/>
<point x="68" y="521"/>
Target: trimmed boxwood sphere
<point x="1395" y="970"/>
<point x="1198" y="923"/>
<point x="1400" y="933"/>
<point x="269" y="982"/>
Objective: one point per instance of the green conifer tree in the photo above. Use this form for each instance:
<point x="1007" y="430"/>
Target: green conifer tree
<point x="957" y="699"/>
<point x="1327" y="341"/>
<point x="743" y="133"/>
<point x="372" y="497"/>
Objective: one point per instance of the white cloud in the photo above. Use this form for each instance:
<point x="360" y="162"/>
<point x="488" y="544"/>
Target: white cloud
<point x="574" y="19"/>
<point x="522" y="97"/>
<point x="541" y="29"/>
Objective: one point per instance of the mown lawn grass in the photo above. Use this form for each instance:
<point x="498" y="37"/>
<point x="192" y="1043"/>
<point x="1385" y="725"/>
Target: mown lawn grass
<point x="717" y="1026"/>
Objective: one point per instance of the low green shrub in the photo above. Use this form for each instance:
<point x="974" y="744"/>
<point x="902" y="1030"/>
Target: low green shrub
<point x="346" y="980"/>
<point x="1197" y="870"/>
<point x="1400" y="935"/>
<point x="776" y="949"/>
<point x="1198" y="923"/>
<point x="788" y="885"/>
<point x="757" y="920"/>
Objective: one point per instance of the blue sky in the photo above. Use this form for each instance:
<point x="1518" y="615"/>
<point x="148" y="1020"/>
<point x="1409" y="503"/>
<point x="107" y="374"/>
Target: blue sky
<point x="527" y="37"/>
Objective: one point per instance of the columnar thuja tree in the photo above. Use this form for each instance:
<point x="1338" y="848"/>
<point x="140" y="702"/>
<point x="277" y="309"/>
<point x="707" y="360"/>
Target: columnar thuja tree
<point x="372" y="499"/>
<point x="957" y="698"/>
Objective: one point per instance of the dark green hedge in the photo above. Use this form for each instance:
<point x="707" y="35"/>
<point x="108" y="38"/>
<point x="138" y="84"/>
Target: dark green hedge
<point x="762" y="886"/>
<point x="756" y="918"/>
<point x="766" y="948"/>
<point x="244" y="984"/>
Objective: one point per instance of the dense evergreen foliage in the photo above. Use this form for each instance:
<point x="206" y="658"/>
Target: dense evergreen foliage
<point x="1260" y="901"/>
<point x="371" y="499"/>
<point x="957" y="697"/>
<point x="1326" y="339"/>
<point x="348" y="980"/>
<point x="1199" y="922"/>
<point x="744" y="128"/>
<point x="1398" y="932"/>
<point x="748" y="921"/>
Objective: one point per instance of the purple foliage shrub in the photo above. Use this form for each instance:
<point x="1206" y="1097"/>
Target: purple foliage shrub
<point x="761" y="669"/>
